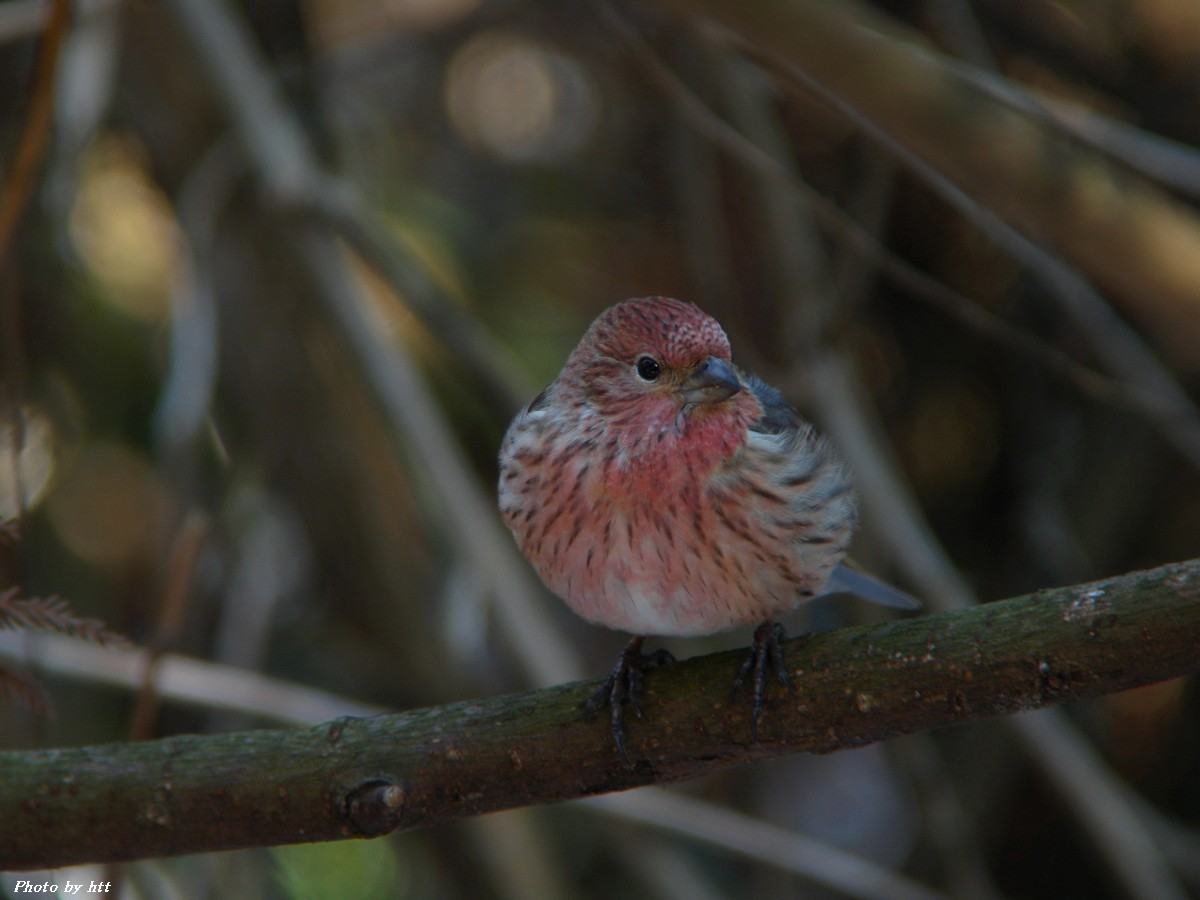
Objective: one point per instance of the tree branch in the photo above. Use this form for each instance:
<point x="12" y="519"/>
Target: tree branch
<point x="366" y="777"/>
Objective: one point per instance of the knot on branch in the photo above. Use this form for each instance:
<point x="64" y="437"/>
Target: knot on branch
<point x="373" y="808"/>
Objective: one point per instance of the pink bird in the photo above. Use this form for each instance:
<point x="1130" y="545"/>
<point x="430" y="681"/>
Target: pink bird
<point x="659" y="490"/>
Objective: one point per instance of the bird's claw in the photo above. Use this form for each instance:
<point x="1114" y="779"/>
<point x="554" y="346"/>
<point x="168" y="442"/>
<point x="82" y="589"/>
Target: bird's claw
<point x="624" y="685"/>
<point x="768" y="648"/>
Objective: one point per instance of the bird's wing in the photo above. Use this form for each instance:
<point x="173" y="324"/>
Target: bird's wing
<point x="777" y="416"/>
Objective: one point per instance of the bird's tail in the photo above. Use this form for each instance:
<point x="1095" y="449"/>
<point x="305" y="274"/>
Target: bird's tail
<point x="847" y="580"/>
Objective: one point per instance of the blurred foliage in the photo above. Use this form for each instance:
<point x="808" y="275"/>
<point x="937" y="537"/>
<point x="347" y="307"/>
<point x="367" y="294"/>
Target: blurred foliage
<point x="366" y="869"/>
<point x="538" y="168"/>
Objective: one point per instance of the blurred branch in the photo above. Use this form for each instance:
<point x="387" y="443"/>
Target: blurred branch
<point x="180" y="679"/>
<point x="281" y="161"/>
<point x="949" y="822"/>
<point x="1113" y="341"/>
<point x="335" y="204"/>
<point x="956" y="24"/>
<point x="1123" y="232"/>
<point x="367" y="777"/>
<point x="468" y="514"/>
<point x="35" y="133"/>
<point x="1075" y="769"/>
<point x="287" y="171"/>
<point x="15" y="190"/>
<point x="1169" y="162"/>
<point x="180" y="570"/>
<point x="23" y="19"/>
<point x="771" y="845"/>
<point x="185" y="403"/>
<point x="842" y="405"/>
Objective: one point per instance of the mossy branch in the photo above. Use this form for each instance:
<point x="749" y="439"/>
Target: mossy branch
<point x="366" y="777"/>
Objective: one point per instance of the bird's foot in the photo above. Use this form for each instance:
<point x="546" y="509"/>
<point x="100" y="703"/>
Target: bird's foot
<point x="624" y="685"/>
<point x="767" y="648"/>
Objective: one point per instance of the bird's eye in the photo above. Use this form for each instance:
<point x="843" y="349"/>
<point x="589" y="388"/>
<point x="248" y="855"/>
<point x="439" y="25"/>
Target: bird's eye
<point x="648" y="368"/>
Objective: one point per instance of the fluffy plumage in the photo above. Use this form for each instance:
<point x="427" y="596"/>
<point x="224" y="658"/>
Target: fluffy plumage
<point x="654" y="517"/>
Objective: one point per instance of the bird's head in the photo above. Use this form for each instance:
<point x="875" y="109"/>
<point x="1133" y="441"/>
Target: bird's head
<point x="657" y="358"/>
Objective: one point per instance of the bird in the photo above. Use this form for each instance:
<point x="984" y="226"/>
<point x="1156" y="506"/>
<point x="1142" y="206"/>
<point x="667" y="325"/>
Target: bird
<point x="661" y="491"/>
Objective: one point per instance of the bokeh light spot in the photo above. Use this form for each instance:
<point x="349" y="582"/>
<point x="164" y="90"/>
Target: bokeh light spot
<point x="31" y="468"/>
<point x="109" y="507"/>
<point x="124" y="229"/>
<point x="519" y="99"/>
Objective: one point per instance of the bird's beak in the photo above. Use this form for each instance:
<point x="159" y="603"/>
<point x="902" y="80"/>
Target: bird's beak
<point x="712" y="381"/>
